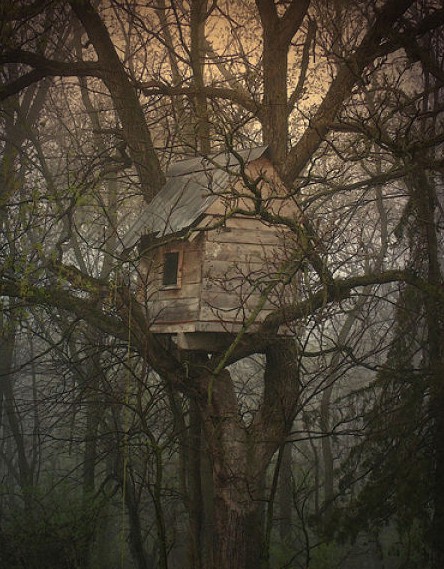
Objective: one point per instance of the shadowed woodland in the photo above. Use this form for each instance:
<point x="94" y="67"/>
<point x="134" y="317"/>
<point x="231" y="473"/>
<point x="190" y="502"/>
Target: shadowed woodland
<point x="312" y="436"/>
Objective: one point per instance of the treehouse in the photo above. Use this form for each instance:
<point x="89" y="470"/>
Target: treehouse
<point x="211" y="266"/>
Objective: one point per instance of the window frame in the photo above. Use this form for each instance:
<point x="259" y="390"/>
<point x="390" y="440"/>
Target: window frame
<point x="178" y="283"/>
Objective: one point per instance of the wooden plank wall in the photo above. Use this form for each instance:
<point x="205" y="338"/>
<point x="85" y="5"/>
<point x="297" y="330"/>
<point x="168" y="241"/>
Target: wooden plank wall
<point x="178" y="307"/>
<point x="239" y="259"/>
<point x="224" y="270"/>
<point x="238" y="262"/>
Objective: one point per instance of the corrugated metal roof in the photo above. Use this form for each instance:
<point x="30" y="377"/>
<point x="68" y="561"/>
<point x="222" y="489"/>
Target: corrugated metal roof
<point x="192" y="186"/>
<point x="218" y="160"/>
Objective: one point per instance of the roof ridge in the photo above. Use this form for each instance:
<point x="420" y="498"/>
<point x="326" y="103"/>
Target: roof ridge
<point x="202" y="163"/>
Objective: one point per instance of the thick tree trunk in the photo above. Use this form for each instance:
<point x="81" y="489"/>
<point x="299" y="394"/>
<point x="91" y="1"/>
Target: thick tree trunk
<point x="195" y="503"/>
<point x="278" y="32"/>
<point x="286" y="495"/>
<point x="127" y="105"/>
<point x="236" y="481"/>
<point x="241" y="454"/>
<point x="197" y="32"/>
<point x="275" y="115"/>
<point x="207" y="541"/>
<point x="239" y="532"/>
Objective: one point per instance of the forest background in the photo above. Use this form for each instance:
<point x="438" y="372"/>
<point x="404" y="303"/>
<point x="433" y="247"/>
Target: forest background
<point x="323" y="449"/>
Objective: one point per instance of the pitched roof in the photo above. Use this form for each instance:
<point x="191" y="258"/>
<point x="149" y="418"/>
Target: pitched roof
<point x="192" y="186"/>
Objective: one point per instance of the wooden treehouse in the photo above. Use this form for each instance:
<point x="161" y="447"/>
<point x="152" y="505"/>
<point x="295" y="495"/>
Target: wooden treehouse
<point x="207" y="269"/>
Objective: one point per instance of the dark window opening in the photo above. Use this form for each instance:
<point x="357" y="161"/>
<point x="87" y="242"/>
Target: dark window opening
<point x="171" y="268"/>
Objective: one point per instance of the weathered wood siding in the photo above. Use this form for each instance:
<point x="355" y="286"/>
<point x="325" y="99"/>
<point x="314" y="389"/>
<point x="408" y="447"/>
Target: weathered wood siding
<point x="224" y="271"/>
<point x="174" y="307"/>
<point x="239" y="261"/>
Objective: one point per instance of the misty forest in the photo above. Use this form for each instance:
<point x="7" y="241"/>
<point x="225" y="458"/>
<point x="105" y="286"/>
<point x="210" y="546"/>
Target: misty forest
<point x="221" y="284"/>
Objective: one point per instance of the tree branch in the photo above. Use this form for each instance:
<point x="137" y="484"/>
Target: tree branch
<point x="311" y="32"/>
<point x="12" y="12"/>
<point x="43" y="67"/>
<point x="52" y="67"/>
<point x="292" y="19"/>
<point x="340" y="290"/>
<point x="62" y="299"/>
<point x="337" y="291"/>
<point x="127" y="327"/>
<point x="267" y="12"/>
<point x="233" y="95"/>
<point x="418" y="53"/>
<point x="126" y="102"/>
<point x="341" y="88"/>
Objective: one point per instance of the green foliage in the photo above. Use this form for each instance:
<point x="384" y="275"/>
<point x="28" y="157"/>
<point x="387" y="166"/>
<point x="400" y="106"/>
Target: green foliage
<point x="326" y="556"/>
<point x="407" y="548"/>
<point x="393" y="460"/>
<point x="52" y="531"/>
<point x="280" y="553"/>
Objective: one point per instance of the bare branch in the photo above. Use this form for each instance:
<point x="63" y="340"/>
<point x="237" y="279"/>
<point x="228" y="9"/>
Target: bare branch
<point x="233" y="95"/>
<point x="341" y="289"/>
<point x="311" y="32"/>
<point x="341" y="87"/>
<point x="43" y="67"/>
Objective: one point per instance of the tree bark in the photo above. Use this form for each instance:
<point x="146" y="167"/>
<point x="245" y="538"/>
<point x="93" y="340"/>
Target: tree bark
<point x="195" y="502"/>
<point x="198" y="17"/>
<point x="277" y="35"/>
<point x="241" y="454"/>
<point x="275" y="116"/>
<point x="286" y="495"/>
<point x="236" y="480"/>
<point x="238" y="530"/>
<point x="126" y="102"/>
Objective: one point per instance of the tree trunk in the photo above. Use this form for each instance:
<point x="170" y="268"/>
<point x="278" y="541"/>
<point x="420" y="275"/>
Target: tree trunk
<point x="135" y="529"/>
<point x="275" y="115"/>
<point x="127" y="105"/>
<point x="236" y="481"/>
<point x="278" y="32"/>
<point x="285" y="495"/>
<point x="238" y="529"/>
<point x="195" y="503"/>
<point x="208" y="524"/>
<point x="25" y="472"/>
<point x="197" y="32"/>
<point x="241" y="454"/>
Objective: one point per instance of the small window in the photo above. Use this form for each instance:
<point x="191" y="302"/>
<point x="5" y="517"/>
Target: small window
<point x="171" y="269"/>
